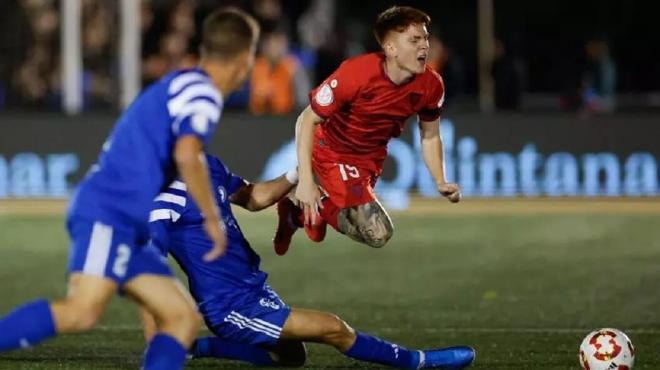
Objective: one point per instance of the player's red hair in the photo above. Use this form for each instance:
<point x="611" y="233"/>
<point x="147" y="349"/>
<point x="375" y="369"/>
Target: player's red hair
<point x="398" y="19"/>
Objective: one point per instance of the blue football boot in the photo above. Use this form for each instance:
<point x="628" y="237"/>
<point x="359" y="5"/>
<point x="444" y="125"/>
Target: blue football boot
<point x="452" y="358"/>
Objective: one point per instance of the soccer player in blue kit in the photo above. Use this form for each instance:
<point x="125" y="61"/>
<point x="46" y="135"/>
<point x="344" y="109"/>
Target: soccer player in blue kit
<point x="161" y="135"/>
<point x="250" y="321"/>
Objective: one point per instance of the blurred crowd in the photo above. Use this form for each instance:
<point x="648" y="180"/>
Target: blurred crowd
<point x="302" y="42"/>
<point x="30" y="46"/>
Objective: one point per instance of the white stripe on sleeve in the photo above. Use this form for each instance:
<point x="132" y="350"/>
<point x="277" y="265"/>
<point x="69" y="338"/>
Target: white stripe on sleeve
<point x="171" y="198"/>
<point x="164" y="214"/>
<point x="178" y="185"/>
<point x="180" y="81"/>
<point x="199" y="106"/>
<point x="192" y="92"/>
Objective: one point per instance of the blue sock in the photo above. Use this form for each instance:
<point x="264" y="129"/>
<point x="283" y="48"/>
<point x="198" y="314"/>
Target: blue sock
<point x="26" y="326"/>
<point x="221" y="348"/>
<point x="372" y="349"/>
<point x="164" y="353"/>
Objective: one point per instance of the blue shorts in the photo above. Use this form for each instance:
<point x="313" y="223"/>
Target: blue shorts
<point x="253" y="317"/>
<point x="112" y="252"/>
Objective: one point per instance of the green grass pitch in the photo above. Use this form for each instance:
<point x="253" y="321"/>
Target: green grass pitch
<point x="522" y="289"/>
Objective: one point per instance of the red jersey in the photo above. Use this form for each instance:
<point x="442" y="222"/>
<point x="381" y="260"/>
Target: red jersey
<point x="363" y="109"/>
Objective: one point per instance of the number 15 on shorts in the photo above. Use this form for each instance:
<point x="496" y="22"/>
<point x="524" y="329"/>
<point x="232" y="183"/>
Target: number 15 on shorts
<point x="348" y="170"/>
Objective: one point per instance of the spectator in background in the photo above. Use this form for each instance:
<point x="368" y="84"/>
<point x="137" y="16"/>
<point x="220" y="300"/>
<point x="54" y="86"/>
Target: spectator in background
<point x="599" y="78"/>
<point x="270" y="15"/>
<point x="508" y="73"/>
<point x="98" y="56"/>
<point x="14" y="36"/>
<point x="279" y="83"/>
<point x="36" y="81"/>
<point x="444" y="61"/>
<point x="319" y="35"/>
<point x="37" y="78"/>
<point x="174" y="45"/>
<point x="182" y="18"/>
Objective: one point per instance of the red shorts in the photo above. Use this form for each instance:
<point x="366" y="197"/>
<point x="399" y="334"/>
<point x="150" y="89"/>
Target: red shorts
<point x="346" y="185"/>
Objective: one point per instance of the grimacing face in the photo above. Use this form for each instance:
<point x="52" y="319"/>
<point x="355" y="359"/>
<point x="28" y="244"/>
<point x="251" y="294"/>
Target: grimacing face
<point x="410" y="48"/>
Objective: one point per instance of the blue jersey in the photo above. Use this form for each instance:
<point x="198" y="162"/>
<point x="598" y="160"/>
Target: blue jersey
<point x="177" y="228"/>
<point x="136" y="163"/>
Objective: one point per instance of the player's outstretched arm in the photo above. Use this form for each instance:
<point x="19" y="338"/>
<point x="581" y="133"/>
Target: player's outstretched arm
<point x="260" y="195"/>
<point x="433" y="153"/>
<point x="191" y="163"/>
<point x="307" y="192"/>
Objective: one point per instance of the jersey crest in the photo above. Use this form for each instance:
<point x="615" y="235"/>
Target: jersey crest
<point x="324" y="96"/>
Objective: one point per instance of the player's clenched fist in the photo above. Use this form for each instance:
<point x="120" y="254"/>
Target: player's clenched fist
<point x="215" y="230"/>
<point x="450" y="191"/>
<point x="310" y="199"/>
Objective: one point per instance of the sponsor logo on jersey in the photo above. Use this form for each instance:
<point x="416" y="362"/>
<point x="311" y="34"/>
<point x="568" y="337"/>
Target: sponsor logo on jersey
<point x="269" y="304"/>
<point x="324" y="96"/>
<point x="223" y="194"/>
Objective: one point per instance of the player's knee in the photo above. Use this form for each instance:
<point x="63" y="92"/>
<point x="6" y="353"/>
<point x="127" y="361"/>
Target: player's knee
<point x="79" y="316"/>
<point x="292" y="354"/>
<point x="339" y="333"/>
<point x="184" y="318"/>
<point x="192" y="321"/>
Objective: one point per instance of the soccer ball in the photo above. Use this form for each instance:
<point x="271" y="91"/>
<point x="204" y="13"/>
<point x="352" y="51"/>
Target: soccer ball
<point x="607" y="349"/>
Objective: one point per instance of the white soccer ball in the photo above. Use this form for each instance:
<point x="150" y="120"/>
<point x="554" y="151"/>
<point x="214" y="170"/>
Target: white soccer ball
<point x="607" y="349"/>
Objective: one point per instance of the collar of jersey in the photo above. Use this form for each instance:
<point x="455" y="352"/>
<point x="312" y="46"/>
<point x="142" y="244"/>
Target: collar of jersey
<point x="384" y="73"/>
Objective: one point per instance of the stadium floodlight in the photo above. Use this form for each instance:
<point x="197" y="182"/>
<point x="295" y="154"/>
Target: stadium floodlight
<point x="130" y="51"/>
<point x="71" y="57"/>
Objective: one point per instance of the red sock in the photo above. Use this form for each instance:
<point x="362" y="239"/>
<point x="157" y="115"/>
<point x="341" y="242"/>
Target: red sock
<point x="329" y="212"/>
<point x="301" y="217"/>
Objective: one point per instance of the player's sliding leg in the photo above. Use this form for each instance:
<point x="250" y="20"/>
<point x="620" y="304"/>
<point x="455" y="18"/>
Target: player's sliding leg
<point x="289" y="353"/>
<point x="39" y="320"/>
<point x="284" y="353"/>
<point x="215" y="347"/>
<point x="247" y="327"/>
<point x="326" y="328"/>
<point x="175" y="315"/>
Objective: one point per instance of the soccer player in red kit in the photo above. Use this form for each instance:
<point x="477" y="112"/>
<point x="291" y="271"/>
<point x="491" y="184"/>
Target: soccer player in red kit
<point x="342" y="136"/>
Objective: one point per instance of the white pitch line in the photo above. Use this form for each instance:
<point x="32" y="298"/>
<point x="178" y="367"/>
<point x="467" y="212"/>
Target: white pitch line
<point x="126" y="328"/>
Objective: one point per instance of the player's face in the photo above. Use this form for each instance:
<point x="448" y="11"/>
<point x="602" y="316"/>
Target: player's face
<point x="243" y="68"/>
<point x="412" y="48"/>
